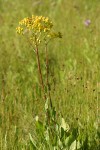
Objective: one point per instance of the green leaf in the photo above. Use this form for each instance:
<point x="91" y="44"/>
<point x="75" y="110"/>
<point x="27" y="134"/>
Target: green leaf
<point x="64" y="125"/>
<point x="75" y="145"/>
<point x="33" y="143"/>
<point x="46" y="105"/>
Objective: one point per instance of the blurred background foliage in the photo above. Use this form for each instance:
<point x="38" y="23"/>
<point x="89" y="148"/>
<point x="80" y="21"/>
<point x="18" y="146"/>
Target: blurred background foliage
<point x="74" y="64"/>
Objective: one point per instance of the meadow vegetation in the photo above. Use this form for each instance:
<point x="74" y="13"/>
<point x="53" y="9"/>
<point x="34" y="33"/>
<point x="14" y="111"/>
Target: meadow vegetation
<point x="74" y="78"/>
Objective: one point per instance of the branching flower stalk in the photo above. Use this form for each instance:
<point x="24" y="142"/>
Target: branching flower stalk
<point x="38" y="29"/>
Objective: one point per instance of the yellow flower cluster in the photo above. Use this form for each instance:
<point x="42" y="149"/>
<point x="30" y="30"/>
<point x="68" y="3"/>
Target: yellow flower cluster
<point x="35" y="25"/>
<point x="19" y="30"/>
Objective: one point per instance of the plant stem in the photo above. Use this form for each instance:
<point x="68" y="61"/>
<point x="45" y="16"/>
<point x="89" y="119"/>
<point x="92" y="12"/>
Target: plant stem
<point x="39" y="69"/>
<point x="47" y="69"/>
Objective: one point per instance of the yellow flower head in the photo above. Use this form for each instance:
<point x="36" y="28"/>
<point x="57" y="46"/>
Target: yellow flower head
<point x="36" y="23"/>
<point x="35" y="26"/>
<point x="19" y="30"/>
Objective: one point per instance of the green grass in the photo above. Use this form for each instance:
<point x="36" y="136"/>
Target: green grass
<point x="74" y="70"/>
